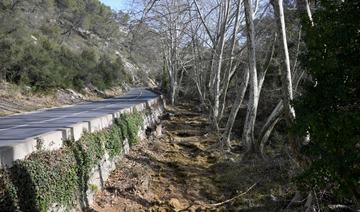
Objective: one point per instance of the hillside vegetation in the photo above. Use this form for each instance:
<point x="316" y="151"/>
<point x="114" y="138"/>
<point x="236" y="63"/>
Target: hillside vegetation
<point x="48" y="44"/>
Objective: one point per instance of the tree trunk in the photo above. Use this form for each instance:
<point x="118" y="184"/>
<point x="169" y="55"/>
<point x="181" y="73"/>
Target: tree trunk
<point x="248" y="133"/>
<point x="231" y="63"/>
<point x="275" y="115"/>
<point x="216" y="103"/>
<point x="286" y="73"/>
<point x="235" y="108"/>
<point x="269" y="125"/>
<point x="172" y="86"/>
<point x="278" y="111"/>
<point x="286" y="78"/>
<point x="303" y="6"/>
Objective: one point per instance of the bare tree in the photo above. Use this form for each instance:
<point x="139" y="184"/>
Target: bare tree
<point x="249" y="126"/>
<point x="244" y="81"/>
<point x="218" y="40"/>
<point x="169" y="18"/>
<point x="232" y="66"/>
<point x="200" y="40"/>
<point x="286" y="75"/>
<point x="296" y="74"/>
<point x="287" y="80"/>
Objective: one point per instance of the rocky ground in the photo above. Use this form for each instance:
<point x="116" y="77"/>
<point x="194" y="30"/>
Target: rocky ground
<point x="184" y="171"/>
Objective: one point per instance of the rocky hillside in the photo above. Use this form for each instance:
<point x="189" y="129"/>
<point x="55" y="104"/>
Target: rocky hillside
<point x="62" y="44"/>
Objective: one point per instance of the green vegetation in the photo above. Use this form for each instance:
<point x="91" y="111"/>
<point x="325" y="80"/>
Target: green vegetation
<point x="61" y="177"/>
<point x="330" y="109"/>
<point x="50" y="44"/>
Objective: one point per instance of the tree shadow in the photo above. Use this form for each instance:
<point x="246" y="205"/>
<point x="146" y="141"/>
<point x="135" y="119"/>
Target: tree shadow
<point x="129" y="195"/>
<point x="82" y="173"/>
<point x="25" y="188"/>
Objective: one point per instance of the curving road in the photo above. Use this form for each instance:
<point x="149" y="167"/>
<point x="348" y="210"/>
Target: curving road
<point x="22" y="126"/>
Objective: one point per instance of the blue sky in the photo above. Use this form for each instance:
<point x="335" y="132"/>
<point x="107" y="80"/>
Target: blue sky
<point x="118" y="4"/>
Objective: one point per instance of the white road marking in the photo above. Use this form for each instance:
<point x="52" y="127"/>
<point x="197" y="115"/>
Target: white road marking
<point x="65" y="116"/>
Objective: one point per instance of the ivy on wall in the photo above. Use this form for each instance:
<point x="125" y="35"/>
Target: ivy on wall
<point x="46" y="179"/>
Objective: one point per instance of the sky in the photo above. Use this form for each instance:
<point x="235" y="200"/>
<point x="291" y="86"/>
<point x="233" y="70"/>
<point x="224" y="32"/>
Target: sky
<point x="118" y="4"/>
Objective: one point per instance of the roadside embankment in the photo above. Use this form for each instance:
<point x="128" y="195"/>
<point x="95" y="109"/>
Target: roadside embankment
<point x="17" y="99"/>
<point x="65" y="175"/>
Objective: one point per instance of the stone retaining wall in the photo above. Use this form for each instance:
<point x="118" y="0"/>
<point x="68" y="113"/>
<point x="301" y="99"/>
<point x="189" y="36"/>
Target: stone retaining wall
<point x="15" y="192"/>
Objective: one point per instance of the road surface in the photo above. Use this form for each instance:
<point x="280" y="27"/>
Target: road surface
<point x="22" y="126"/>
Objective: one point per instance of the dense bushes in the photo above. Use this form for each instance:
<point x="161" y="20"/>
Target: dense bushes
<point x="61" y="177"/>
<point x="45" y="65"/>
<point x="88" y="14"/>
<point x="37" y="44"/>
<point x="330" y="109"/>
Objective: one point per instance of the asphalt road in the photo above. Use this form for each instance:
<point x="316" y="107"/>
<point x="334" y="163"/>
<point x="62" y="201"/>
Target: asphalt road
<point x="22" y="126"/>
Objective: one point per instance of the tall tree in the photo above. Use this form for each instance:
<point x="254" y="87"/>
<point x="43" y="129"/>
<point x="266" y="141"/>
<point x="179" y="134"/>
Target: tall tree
<point x="287" y="87"/>
<point x="249" y="126"/>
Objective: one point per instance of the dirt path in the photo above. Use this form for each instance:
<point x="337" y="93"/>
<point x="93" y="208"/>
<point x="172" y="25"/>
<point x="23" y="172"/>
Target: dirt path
<point x="169" y="173"/>
<point x="178" y="172"/>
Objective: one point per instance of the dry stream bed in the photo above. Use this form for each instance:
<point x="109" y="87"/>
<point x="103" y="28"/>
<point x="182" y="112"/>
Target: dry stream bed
<point x="183" y="170"/>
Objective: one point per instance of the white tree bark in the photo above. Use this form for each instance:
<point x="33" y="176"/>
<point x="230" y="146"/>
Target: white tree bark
<point x="276" y="115"/>
<point x="278" y="111"/>
<point x="248" y="132"/>
<point x="231" y="67"/>
<point x="220" y="52"/>
<point x="286" y="73"/>
<point x="217" y="54"/>
<point x="304" y="6"/>
<point x="170" y="18"/>
<point x="269" y="125"/>
<point x="235" y="108"/>
<point x="287" y="97"/>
